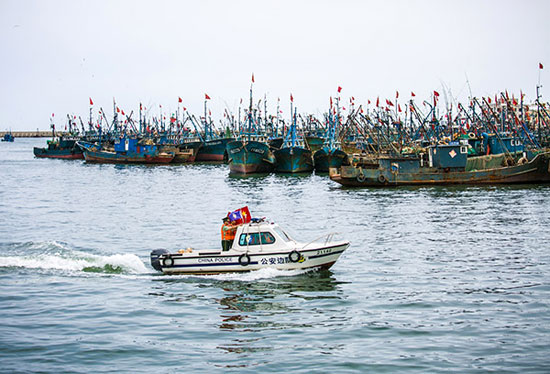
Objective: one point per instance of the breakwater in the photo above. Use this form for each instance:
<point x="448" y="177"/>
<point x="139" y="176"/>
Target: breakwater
<point x="32" y="134"/>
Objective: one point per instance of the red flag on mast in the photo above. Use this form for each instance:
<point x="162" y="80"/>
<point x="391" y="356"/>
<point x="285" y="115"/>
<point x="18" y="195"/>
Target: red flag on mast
<point x="396" y="94"/>
<point x="206" y="97"/>
<point x="339" y="89"/>
<point x="412" y="94"/>
<point x="377" y="101"/>
<point x="252" y="77"/>
<point x="180" y="100"/>
<point x="540" y="66"/>
<point x="291" y="98"/>
<point x="91" y="102"/>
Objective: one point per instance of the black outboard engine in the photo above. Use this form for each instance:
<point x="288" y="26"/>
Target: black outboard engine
<point x="155" y="261"/>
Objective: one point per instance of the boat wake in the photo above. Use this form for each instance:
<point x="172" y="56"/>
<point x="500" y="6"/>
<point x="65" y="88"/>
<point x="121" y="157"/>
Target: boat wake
<point x="58" y="256"/>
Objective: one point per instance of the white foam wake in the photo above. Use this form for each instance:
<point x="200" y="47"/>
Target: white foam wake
<point x="75" y="261"/>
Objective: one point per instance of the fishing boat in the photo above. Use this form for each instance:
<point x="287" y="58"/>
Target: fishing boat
<point x="213" y="146"/>
<point x="294" y="156"/>
<point x="250" y="153"/>
<point x="213" y="149"/>
<point x="8" y="137"/>
<point x="127" y="150"/>
<point x="445" y="165"/>
<point x="64" y="147"/>
<point x="258" y="244"/>
<point x="331" y="154"/>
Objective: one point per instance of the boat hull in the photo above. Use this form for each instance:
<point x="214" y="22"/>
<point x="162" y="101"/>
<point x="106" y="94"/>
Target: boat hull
<point x="293" y="160"/>
<point x="324" y="160"/>
<point x="250" y="157"/>
<point x="111" y="158"/>
<point x="232" y="261"/>
<point x="66" y="154"/>
<point x="213" y="150"/>
<point x="535" y="171"/>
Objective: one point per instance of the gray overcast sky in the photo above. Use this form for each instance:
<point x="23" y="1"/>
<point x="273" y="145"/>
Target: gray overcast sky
<point x="56" y="54"/>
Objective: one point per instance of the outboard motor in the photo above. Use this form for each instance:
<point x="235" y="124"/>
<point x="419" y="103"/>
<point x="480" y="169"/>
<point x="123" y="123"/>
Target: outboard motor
<point x="155" y="254"/>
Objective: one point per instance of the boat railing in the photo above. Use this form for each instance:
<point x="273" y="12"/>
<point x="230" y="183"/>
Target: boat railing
<point x="328" y="238"/>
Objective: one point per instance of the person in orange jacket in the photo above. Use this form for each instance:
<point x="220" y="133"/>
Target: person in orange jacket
<point x="228" y="234"/>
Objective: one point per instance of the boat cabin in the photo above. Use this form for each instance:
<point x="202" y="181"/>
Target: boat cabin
<point x="261" y="235"/>
<point x="448" y="156"/>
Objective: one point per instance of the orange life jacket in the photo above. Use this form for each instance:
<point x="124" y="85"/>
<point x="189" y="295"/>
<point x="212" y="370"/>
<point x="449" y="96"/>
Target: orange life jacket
<point x="228" y="233"/>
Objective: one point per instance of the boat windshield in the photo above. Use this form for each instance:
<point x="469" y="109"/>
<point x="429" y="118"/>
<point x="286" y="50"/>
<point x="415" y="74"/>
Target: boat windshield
<point x="282" y="234"/>
<point x="255" y="238"/>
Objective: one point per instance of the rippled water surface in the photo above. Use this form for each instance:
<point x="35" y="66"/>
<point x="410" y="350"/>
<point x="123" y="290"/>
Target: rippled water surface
<point x="436" y="279"/>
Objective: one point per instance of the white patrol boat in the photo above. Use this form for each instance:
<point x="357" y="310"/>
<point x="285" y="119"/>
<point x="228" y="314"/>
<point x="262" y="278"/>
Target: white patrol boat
<point x="257" y="245"/>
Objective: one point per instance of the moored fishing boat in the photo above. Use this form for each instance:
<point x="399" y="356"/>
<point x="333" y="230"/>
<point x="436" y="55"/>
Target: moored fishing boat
<point x="445" y="165"/>
<point x="331" y="154"/>
<point x="294" y="156"/>
<point x="258" y="244"/>
<point x="250" y="153"/>
<point x="64" y="147"/>
<point x="213" y="150"/>
<point x="248" y="156"/>
<point x="126" y="150"/>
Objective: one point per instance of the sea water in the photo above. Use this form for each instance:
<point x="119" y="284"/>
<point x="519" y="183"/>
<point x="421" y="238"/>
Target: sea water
<point x="436" y="280"/>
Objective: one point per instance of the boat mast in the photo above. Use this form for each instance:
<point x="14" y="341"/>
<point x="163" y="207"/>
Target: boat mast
<point x="250" y="113"/>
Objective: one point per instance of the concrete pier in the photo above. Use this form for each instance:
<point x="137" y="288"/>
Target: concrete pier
<point x="32" y="134"/>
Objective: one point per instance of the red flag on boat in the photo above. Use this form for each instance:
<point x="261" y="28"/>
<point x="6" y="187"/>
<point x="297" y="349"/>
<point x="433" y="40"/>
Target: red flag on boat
<point x="252" y="77"/>
<point x="331" y="101"/>
<point x="240" y="216"/>
<point x="91" y="102"/>
<point x="396" y="94"/>
<point x="367" y="103"/>
<point x="540" y="66"/>
<point x="399" y="107"/>
<point x="206" y="97"/>
<point x="339" y="89"/>
<point x="117" y="110"/>
<point x="436" y="93"/>
<point x="180" y="100"/>
<point x="53" y="114"/>
<point x="123" y="112"/>
<point x="291" y="98"/>
<point x="412" y="94"/>
<point x="377" y="101"/>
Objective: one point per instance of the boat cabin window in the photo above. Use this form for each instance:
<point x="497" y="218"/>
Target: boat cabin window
<point x="254" y="239"/>
<point x="282" y="234"/>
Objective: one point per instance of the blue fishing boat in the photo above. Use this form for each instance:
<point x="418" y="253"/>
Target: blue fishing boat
<point x="250" y="153"/>
<point x="293" y="156"/>
<point x="331" y="154"/>
<point x="8" y="137"/>
<point x="127" y="150"/>
<point x="213" y="146"/>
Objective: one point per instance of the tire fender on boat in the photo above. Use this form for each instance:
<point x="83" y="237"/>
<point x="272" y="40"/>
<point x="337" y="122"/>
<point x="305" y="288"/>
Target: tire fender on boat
<point x="382" y="178"/>
<point x="167" y="261"/>
<point x="361" y="177"/>
<point x="294" y="256"/>
<point x="244" y="259"/>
